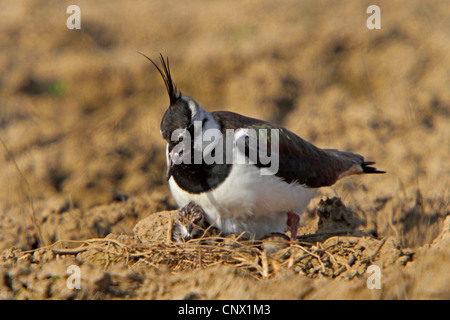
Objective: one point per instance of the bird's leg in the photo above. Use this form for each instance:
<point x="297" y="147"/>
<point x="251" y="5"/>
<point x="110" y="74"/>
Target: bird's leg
<point x="292" y="222"/>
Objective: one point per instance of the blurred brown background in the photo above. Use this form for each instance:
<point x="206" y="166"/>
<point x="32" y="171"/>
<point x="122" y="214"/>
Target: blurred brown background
<point x="80" y="109"/>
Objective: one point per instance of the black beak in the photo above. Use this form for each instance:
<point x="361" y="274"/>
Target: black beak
<point x="169" y="172"/>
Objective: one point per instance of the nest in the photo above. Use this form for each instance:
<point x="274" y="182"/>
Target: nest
<point x="329" y="252"/>
<point x="338" y="256"/>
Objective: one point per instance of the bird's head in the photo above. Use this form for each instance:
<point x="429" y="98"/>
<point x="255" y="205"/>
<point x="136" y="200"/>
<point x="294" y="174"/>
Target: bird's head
<point x="178" y="120"/>
<point x="190" y="223"/>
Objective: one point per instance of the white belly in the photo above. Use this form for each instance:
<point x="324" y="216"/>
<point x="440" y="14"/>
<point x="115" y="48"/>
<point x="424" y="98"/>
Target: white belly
<point x="248" y="201"/>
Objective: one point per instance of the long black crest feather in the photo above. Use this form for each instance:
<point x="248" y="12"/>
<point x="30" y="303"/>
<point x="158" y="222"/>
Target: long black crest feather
<point x="172" y="90"/>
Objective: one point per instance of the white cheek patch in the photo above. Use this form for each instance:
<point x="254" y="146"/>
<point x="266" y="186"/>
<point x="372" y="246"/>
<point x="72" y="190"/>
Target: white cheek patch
<point x="193" y="107"/>
<point x="168" y="157"/>
<point x="176" y="159"/>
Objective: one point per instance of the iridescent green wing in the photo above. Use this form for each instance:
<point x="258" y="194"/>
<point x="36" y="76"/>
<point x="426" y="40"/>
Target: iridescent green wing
<point x="298" y="160"/>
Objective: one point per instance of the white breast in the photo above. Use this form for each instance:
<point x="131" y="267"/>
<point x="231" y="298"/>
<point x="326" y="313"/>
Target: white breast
<point x="248" y="201"/>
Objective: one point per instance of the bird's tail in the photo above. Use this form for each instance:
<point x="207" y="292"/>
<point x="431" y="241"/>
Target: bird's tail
<point x="366" y="166"/>
<point x="348" y="163"/>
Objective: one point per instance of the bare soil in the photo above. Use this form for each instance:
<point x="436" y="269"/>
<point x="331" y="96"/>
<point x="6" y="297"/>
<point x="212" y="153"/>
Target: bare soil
<point x="82" y="168"/>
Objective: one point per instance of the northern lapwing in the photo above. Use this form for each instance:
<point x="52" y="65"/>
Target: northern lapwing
<point x="245" y="197"/>
<point x="190" y="223"/>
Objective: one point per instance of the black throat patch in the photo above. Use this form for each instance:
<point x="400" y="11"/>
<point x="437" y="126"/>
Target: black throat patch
<point x="200" y="178"/>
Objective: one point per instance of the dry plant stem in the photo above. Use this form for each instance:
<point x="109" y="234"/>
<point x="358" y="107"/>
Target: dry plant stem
<point x="70" y="251"/>
<point x="28" y="192"/>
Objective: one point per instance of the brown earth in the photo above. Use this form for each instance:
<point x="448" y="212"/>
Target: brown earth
<point x="82" y="161"/>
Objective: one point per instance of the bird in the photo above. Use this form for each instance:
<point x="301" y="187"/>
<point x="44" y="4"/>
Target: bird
<point x="190" y="223"/>
<point x="248" y="196"/>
